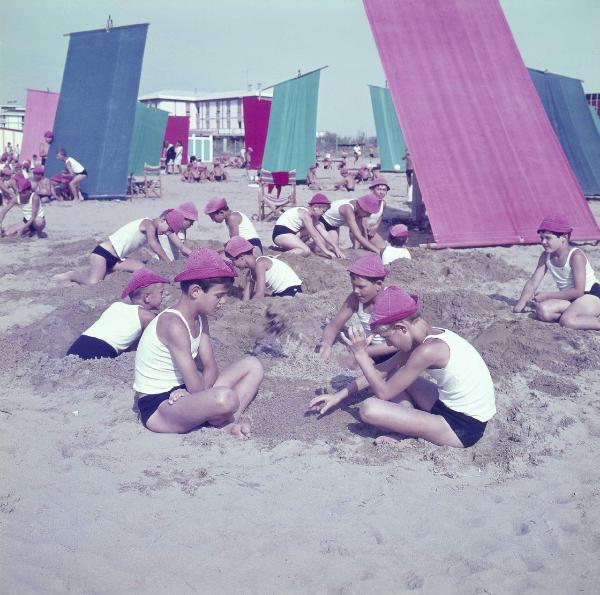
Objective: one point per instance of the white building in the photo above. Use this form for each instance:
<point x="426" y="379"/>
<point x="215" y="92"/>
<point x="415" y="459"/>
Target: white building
<point x="12" y="116"/>
<point x="218" y="116"/>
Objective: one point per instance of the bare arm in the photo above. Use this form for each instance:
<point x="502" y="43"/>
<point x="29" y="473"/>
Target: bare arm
<point x="206" y="356"/>
<point x="248" y="287"/>
<point x="179" y="244"/>
<point x="147" y="226"/>
<point x="314" y="234"/>
<point x="320" y="228"/>
<point x="233" y="223"/>
<point x="350" y="216"/>
<point x="260" y="282"/>
<point x="578" y="262"/>
<point x="330" y="332"/>
<point x="532" y="284"/>
<point x="145" y="316"/>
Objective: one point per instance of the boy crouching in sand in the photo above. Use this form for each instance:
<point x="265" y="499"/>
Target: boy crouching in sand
<point x="264" y="272"/>
<point x="121" y="324"/>
<point x="576" y="304"/>
<point x="453" y="411"/>
<point x="174" y="395"/>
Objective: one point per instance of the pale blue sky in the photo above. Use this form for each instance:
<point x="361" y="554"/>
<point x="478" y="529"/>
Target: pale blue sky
<point x="219" y="45"/>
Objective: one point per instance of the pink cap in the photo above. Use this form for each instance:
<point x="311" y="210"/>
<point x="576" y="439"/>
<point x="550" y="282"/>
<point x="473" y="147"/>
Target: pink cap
<point x="369" y="266"/>
<point x="27" y="162"/>
<point x="23" y="184"/>
<point x="48" y="134"/>
<point x="398" y="231"/>
<point x="188" y="210"/>
<point x="141" y="278"/>
<point x="214" y="205"/>
<point x="18" y="165"/>
<point x="204" y="263"/>
<point x="393" y="304"/>
<point x="555" y="223"/>
<point x="369" y="203"/>
<point x="238" y="245"/>
<point x="379" y="181"/>
<point x="4" y="157"/>
<point x="175" y="219"/>
<point x="38" y="170"/>
<point x="6" y="171"/>
<point x="319" y="199"/>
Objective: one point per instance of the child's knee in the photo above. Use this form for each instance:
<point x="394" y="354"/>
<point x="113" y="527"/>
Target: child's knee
<point x="305" y="251"/>
<point x="226" y="399"/>
<point x="543" y="312"/>
<point x="567" y="320"/>
<point x="254" y="366"/>
<point x="369" y="410"/>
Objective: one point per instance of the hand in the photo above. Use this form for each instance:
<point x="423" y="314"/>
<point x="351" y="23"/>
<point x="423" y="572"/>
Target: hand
<point x="324" y="351"/>
<point x="356" y="340"/>
<point x="518" y="308"/>
<point x="340" y="254"/>
<point x="540" y="297"/>
<point x="177" y="394"/>
<point x="323" y="403"/>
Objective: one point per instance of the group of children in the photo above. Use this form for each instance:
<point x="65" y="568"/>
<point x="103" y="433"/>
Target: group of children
<point x="179" y="385"/>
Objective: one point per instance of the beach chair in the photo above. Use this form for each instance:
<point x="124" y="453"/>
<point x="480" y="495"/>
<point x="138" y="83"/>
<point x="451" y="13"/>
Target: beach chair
<point x="270" y="201"/>
<point x="152" y="181"/>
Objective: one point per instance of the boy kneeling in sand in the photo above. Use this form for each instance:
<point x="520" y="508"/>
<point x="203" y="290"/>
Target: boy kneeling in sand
<point x="453" y="411"/>
<point x="174" y="395"/>
<point x="121" y="324"/>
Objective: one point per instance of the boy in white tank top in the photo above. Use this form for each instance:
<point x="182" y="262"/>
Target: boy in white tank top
<point x="576" y="304"/>
<point x="34" y="220"/>
<point x="453" y="411"/>
<point x="121" y="324"/>
<point x="177" y="344"/>
<point x="237" y="223"/>
<point x="111" y="254"/>
<point x="264" y="272"/>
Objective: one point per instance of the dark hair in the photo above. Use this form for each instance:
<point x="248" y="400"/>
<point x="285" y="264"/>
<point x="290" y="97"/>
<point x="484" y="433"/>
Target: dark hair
<point x="206" y="284"/>
<point x="397" y="241"/>
<point x="62" y="151"/>
<point x="558" y="234"/>
<point x="371" y="279"/>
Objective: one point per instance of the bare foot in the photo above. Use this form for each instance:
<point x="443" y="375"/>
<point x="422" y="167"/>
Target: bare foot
<point x="387" y="439"/>
<point x="241" y="431"/>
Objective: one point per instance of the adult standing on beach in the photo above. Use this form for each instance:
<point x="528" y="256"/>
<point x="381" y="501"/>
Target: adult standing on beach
<point x="45" y="145"/>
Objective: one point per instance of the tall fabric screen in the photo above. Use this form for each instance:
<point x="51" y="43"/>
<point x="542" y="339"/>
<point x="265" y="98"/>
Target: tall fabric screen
<point x="96" y="110"/>
<point x="147" y="139"/>
<point x="488" y="162"/>
<point x="568" y="111"/>
<point x="178" y="129"/>
<point x="291" y="138"/>
<point x="256" y="124"/>
<point x="40" y="111"/>
<point x="389" y="135"/>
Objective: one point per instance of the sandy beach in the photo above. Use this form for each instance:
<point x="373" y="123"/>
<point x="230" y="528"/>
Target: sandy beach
<point x="92" y="502"/>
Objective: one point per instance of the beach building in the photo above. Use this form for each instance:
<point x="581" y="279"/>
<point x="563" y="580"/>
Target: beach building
<point x="594" y="100"/>
<point x="216" y="118"/>
<point x="12" y="116"/>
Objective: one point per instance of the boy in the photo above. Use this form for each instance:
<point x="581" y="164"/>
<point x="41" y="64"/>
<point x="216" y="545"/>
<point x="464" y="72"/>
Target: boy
<point x="174" y="243"/>
<point x="9" y="192"/>
<point x="454" y="411"/>
<point x="264" y="272"/>
<point x="40" y="184"/>
<point x="174" y="396"/>
<point x="397" y="236"/>
<point x="121" y="324"/>
<point x="237" y="223"/>
<point x="76" y="170"/>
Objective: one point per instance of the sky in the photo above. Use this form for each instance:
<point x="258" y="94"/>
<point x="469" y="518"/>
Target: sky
<point x="222" y="45"/>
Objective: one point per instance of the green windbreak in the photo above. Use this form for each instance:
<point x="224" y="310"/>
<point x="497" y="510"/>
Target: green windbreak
<point x="146" y="142"/>
<point x="389" y="136"/>
<point x="291" y="138"/>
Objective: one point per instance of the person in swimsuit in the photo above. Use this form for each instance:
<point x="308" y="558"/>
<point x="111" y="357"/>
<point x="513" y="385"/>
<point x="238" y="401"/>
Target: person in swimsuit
<point x="111" y="255"/>
<point x="174" y="243"/>
<point x="45" y="146"/>
<point x="173" y="395"/>
<point x="218" y="174"/>
<point x="347" y="182"/>
<point x="76" y="170"/>
<point x="298" y="224"/>
<point x="452" y="411"/>
<point x="367" y="276"/>
<point x="9" y="193"/>
<point x="264" y="272"/>
<point x="121" y="324"/>
<point x="34" y="220"/>
<point x="40" y="184"/>
<point x="350" y="213"/>
<point x="576" y="304"/>
<point x="311" y="177"/>
<point x="237" y="223"/>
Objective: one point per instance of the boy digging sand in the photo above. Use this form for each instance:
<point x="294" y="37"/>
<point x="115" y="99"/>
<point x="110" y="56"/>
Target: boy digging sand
<point x="453" y="411"/>
<point x="121" y="324"/>
<point x="174" y="395"/>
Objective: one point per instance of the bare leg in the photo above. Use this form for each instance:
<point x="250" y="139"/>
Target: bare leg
<point x="75" y="184"/>
<point x="90" y="276"/>
<point x="582" y="314"/>
<point x="292" y="243"/>
<point x="551" y="310"/>
<point x="129" y="265"/>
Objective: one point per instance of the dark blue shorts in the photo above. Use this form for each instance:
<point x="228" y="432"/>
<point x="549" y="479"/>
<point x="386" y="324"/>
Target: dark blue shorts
<point x="468" y="429"/>
<point x="148" y="404"/>
<point x="594" y="290"/>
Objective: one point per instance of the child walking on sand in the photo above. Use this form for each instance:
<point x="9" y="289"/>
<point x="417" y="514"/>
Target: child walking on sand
<point x="77" y="170"/>
<point x="367" y="276"/>
<point x="174" y="396"/>
<point x="576" y="304"/>
<point x="264" y="272"/>
<point x="237" y="223"/>
<point x="298" y="224"/>
<point x="121" y="324"/>
<point x="111" y="255"/>
<point x="453" y="411"/>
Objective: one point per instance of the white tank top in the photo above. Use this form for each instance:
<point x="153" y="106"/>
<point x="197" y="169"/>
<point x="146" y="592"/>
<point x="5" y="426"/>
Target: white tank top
<point x="374" y="218"/>
<point x="465" y="384"/>
<point x="392" y="253"/>
<point x="155" y="370"/>
<point x="280" y="276"/>
<point x="128" y="238"/>
<point x="365" y="321"/>
<point x="563" y="276"/>
<point x="27" y="208"/>
<point x="246" y="229"/>
<point x="119" y="326"/>
<point x="333" y="215"/>
<point x="291" y="219"/>
<point x="76" y="167"/>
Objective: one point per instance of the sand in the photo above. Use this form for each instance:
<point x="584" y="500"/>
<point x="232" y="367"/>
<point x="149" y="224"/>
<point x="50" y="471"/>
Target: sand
<point x="91" y="502"/>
